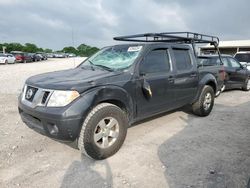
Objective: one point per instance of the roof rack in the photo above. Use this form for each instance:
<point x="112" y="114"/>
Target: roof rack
<point x="178" y="37"/>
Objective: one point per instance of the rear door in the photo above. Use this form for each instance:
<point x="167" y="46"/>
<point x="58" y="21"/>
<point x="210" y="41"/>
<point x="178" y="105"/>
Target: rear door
<point x="154" y="86"/>
<point x="186" y="79"/>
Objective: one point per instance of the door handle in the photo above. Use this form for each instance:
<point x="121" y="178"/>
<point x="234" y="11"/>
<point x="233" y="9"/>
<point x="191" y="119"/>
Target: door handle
<point x="193" y="75"/>
<point x="171" y="79"/>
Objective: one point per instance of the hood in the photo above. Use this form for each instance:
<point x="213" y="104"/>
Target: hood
<point x="72" y="79"/>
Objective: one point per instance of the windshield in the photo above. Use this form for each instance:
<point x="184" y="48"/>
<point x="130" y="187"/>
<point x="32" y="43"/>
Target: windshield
<point x="243" y="57"/>
<point x="115" y="58"/>
<point x="2" y="55"/>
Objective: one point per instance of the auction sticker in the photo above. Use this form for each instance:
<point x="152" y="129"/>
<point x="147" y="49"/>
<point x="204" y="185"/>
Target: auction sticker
<point x="134" y="48"/>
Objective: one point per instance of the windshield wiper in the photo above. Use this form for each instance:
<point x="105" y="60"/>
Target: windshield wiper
<point x="104" y="67"/>
<point x="91" y="65"/>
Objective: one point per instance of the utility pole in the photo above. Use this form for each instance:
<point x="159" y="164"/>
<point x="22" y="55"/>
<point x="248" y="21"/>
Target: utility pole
<point x="73" y="43"/>
<point x="4" y="48"/>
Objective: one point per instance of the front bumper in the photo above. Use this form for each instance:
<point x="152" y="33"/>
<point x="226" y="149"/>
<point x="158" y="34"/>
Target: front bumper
<point x="58" y="123"/>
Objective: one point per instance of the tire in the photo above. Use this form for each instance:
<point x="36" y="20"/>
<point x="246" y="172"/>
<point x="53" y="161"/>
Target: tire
<point x="201" y="107"/>
<point x="24" y="61"/>
<point x="246" y="86"/>
<point x="97" y="120"/>
<point x="6" y="62"/>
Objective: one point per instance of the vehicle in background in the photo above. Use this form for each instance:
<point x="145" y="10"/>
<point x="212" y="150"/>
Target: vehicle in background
<point x="72" y="55"/>
<point x="243" y="58"/>
<point x="7" y="58"/>
<point x="60" y="55"/>
<point x="236" y="74"/>
<point x="22" y="57"/>
<point x="50" y="55"/>
<point x="208" y="63"/>
<point x="43" y="55"/>
<point x="36" y="57"/>
<point x="18" y="55"/>
<point x="28" y="57"/>
<point x="97" y="101"/>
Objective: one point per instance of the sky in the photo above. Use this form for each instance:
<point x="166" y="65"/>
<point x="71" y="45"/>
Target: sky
<point x="58" y="23"/>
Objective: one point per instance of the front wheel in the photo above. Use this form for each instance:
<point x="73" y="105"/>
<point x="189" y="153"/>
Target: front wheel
<point x="204" y="105"/>
<point x="246" y="86"/>
<point x="103" y="131"/>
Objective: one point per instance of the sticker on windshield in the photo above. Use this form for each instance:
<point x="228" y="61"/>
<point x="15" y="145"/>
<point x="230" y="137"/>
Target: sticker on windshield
<point x="134" y="48"/>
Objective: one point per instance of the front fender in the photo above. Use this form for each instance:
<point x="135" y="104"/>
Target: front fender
<point x="110" y="93"/>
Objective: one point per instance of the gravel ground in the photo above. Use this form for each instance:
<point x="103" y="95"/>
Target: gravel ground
<point x="173" y="150"/>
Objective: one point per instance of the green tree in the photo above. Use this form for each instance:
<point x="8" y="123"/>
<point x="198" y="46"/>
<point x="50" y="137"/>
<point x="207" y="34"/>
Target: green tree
<point x="70" y="49"/>
<point x="47" y="50"/>
<point x="30" y="48"/>
<point x="85" y="50"/>
<point x="13" y="47"/>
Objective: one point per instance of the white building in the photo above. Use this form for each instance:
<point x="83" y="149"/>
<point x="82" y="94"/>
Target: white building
<point x="228" y="47"/>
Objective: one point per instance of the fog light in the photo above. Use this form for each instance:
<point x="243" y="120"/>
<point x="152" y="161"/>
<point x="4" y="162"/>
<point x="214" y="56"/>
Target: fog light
<point x="53" y="129"/>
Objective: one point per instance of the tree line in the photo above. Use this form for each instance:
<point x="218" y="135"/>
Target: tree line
<point x="81" y="50"/>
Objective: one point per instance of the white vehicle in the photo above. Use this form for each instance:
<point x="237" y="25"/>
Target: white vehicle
<point x="243" y="58"/>
<point x="7" y="58"/>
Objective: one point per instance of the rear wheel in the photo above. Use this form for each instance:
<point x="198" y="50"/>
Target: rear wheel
<point x="204" y="105"/>
<point x="246" y="86"/>
<point x="103" y="131"/>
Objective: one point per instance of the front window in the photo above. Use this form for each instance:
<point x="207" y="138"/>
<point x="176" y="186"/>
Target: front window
<point x="115" y="57"/>
<point x="156" y="61"/>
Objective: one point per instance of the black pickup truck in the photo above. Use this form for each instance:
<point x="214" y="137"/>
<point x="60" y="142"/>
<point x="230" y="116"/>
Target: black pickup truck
<point x="96" y="102"/>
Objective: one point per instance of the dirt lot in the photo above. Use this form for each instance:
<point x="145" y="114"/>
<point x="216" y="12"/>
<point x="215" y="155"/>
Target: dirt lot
<point x="174" y="150"/>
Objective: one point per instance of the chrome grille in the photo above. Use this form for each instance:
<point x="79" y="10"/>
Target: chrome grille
<point x="39" y="96"/>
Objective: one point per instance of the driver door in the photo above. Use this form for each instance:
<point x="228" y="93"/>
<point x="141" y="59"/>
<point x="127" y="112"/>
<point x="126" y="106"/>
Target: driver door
<point x="155" y="84"/>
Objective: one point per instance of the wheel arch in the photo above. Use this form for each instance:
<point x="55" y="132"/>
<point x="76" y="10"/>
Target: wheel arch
<point x="114" y="95"/>
<point x="208" y="79"/>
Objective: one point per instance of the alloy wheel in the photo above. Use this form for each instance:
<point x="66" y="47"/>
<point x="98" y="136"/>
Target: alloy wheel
<point x="207" y="101"/>
<point x="106" y="132"/>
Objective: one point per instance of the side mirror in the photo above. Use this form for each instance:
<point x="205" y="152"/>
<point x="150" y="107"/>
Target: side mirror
<point x="146" y="89"/>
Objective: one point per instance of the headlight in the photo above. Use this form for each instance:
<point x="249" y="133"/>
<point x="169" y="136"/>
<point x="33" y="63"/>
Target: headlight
<point x="62" y="98"/>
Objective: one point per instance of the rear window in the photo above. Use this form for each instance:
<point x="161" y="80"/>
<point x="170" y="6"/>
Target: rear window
<point x="243" y="57"/>
<point x="182" y="59"/>
<point x="210" y="61"/>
